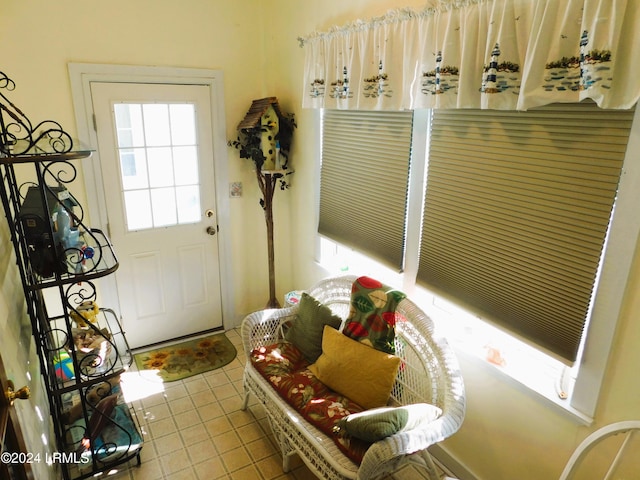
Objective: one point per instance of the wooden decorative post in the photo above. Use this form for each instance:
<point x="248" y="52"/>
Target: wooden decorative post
<point x="265" y="138"/>
<point x="267" y="182"/>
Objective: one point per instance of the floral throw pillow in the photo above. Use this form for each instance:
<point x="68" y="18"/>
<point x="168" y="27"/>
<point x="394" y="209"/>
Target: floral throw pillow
<point x="372" y="317"/>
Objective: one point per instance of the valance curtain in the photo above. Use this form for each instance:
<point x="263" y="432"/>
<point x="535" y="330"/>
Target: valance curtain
<point x="489" y="54"/>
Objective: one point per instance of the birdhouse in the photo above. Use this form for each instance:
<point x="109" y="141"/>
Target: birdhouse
<point x="263" y="118"/>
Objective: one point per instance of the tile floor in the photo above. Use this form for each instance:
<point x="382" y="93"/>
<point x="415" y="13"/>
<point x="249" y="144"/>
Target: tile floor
<point x="195" y="429"/>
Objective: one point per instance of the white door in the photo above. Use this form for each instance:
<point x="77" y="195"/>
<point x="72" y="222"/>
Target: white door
<point x="156" y="155"/>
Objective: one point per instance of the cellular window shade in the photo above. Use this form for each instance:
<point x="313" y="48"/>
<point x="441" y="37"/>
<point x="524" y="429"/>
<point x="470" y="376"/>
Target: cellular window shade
<point x="364" y="181"/>
<point x="516" y="212"/>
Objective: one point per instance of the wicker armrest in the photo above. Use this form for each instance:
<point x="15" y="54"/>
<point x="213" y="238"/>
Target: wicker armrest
<point x="265" y="327"/>
<point x="384" y="456"/>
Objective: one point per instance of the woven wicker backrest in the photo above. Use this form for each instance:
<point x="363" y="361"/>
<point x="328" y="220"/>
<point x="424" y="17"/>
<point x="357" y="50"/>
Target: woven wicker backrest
<point x="427" y="361"/>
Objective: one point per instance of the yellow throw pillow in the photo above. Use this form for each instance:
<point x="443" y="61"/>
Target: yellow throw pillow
<point x="357" y="371"/>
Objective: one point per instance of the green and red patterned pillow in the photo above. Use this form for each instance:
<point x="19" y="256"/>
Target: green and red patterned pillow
<point x="372" y="317"/>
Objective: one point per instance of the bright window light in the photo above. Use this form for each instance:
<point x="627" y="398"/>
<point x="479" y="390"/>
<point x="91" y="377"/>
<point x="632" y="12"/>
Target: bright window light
<point x="466" y="332"/>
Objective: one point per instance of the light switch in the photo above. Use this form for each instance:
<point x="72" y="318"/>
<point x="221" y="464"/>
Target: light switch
<point x="235" y="189"/>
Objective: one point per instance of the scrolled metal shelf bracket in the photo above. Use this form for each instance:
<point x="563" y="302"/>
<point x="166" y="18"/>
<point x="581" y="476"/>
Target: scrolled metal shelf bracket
<point x="18" y="136"/>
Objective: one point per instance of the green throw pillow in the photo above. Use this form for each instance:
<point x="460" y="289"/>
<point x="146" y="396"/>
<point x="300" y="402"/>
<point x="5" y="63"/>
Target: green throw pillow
<point x="378" y="423"/>
<point x="306" y="331"/>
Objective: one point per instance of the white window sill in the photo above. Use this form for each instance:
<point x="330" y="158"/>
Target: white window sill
<point x="546" y="395"/>
<point x="502" y="356"/>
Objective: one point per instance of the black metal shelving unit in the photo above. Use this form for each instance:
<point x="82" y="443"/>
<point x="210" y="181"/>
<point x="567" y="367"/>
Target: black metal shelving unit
<point x="82" y="348"/>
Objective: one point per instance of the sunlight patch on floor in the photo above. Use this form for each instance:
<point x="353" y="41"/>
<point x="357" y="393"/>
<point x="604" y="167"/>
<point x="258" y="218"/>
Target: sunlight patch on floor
<point x="141" y="384"/>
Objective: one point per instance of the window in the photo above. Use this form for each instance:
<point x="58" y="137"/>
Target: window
<point x="516" y="212"/>
<point x="158" y="164"/>
<point x="364" y="181"/>
<point x="616" y="135"/>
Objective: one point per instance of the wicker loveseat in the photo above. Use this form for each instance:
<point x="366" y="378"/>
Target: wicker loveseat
<point x="429" y="373"/>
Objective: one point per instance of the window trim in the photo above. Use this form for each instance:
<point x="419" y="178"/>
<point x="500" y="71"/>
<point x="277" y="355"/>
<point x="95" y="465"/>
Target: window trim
<point x="620" y="248"/>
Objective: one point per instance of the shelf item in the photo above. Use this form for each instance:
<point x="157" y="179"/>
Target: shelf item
<point x="291" y="299"/>
<point x="82" y="348"/>
<point x="83" y="354"/>
<point x="99" y="429"/>
<point x="57" y="241"/>
<point x="91" y="257"/>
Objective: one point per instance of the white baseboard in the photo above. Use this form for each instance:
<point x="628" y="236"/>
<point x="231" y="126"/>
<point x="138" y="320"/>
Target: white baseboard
<point x="451" y="465"/>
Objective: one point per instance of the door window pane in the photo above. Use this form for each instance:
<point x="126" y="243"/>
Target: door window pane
<point x="186" y="165"/>
<point x="159" y="167"/>
<point x="183" y="127"/>
<point x="138" y="208"/>
<point x="156" y="124"/>
<point x="188" y="201"/>
<point x="163" y="201"/>
<point x="133" y="168"/>
<point x="129" y="125"/>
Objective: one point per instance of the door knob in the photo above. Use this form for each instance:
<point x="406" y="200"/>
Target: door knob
<point x="211" y="230"/>
<point x="21" y="394"/>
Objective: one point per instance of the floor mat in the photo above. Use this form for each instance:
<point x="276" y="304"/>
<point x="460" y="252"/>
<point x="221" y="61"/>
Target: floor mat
<point x="191" y="357"/>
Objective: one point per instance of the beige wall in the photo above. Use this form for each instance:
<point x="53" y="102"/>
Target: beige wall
<point x="507" y="433"/>
<point x="43" y="37"/>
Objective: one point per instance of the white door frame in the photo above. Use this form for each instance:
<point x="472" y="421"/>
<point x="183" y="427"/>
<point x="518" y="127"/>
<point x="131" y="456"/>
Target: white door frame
<point x="81" y="76"/>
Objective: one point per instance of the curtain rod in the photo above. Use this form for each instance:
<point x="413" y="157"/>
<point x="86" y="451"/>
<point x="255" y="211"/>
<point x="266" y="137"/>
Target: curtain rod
<point x="392" y="16"/>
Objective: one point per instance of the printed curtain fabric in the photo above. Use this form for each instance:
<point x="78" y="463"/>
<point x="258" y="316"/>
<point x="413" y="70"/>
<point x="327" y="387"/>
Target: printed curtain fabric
<point x="491" y="54"/>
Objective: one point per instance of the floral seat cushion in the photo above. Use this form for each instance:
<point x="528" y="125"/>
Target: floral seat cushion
<point x="285" y="368"/>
